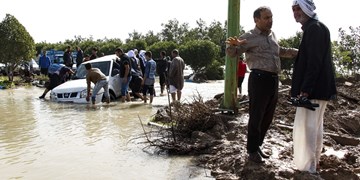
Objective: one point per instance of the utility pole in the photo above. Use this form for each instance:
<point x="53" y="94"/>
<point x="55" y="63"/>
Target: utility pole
<point x="229" y="102"/>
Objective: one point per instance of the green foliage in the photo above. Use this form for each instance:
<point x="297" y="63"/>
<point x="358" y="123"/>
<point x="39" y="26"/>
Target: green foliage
<point x="174" y="31"/>
<point x="151" y="38"/>
<point x="135" y="44"/>
<point x="349" y="50"/>
<point x="166" y="46"/>
<point x="215" y="71"/>
<point x="287" y="63"/>
<point x="199" y="54"/>
<point x="16" y="44"/>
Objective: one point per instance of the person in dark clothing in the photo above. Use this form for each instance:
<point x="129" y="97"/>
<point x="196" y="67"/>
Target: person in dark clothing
<point x="161" y="70"/>
<point x="125" y="76"/>
<point x="57" y="75"/>
<point x="136" y="76"/>
<point x="93" y="54"/>
<point x="68" y="60"/>
<point x="79" y="56"/>
<point x="313" y="79"/>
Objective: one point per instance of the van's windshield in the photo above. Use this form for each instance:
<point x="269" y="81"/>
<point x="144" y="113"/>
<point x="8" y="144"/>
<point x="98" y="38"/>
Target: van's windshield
<point x="104" y="67"/>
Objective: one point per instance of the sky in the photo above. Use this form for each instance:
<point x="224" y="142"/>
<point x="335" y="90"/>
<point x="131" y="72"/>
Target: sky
<point x="51" y="21"/>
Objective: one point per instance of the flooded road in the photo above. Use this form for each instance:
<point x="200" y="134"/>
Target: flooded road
<point x="47" y="140"/>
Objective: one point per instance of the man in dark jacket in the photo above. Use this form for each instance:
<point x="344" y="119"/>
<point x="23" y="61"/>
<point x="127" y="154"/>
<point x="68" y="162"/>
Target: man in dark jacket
<point x="125" y="76"/>
<point x="313" y="79"/>
<point x="68" y="60"/>
<point x="79" y="56"/>
<point x="161" y="70"/>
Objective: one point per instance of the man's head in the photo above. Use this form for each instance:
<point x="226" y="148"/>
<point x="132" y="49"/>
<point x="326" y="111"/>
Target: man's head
<point x="263" y="19"/>
<point x="119" y="52"/>
<point x="148" y="55"/>
<point x="87" y="66"/>
<point x="68" y="48"/>
<point x="175" y="53"/>
<point x="303" y="10"/>
<point x="162" y="54"/>
<point x="86" y="57"/>
<point x="94" y="50"/>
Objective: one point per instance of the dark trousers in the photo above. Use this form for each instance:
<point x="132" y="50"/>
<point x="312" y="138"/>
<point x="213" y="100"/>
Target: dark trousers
<point x="263" y="96"/>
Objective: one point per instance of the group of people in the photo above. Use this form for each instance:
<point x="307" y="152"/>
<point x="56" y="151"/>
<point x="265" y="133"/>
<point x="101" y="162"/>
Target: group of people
<point x="313" y="79"/>
<point x="137" y="72"/>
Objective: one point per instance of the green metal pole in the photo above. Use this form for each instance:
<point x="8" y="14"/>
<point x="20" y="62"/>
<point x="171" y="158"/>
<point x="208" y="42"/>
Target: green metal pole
<point x="230" y="91"/>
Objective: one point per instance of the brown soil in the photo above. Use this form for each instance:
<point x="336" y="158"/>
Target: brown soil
<point x="221" y="142"/>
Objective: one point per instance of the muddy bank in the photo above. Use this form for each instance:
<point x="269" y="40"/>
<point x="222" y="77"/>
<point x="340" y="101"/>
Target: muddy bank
<point x="220" y="142"/>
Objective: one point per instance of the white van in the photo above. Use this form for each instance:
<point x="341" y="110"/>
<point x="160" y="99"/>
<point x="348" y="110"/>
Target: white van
<point x="75" y="90"/>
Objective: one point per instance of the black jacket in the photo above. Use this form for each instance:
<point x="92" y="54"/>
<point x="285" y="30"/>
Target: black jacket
<point x="313" y="68"/>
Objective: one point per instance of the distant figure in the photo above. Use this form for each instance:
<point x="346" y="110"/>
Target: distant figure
<point x="176" y="75"/>
<point x="68" y="59"/>
<point x="93" y="54"/>
<point x="44" y="63"/>
<point x="161" y="70"/>
<point x="86" y="58"/>
<point x="142" y="61"/>
<point x="241" y="70"/>
<point x="79" y="56"/>
<point x="94" y="75"/>
<point x="125" y="76"/>
<point x="149" y="76"/>
<point x="136" y="76"/>
<point x="57" y="75"/>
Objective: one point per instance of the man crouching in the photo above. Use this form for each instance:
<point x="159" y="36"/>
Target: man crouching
<point x="95" y="76"/>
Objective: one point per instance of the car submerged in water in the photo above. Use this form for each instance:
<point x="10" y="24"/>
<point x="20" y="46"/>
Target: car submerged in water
<point x="75" y="90"/>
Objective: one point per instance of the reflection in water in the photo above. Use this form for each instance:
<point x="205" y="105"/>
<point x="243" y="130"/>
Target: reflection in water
<point x="17" y="133"/>
<point x="46" y="140"/>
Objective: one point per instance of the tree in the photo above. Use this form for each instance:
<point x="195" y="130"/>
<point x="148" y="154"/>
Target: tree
<point x="199" y="54"/>
<point x="287" y="63"/>
<point x="198" y="33"/>
<point x="134" y="36"/>
<point x="350" y="43"/>
<point x="16" y="44"/>
<point x="151" y="38"/>
<point x="135" y="44"/>
<point x="342" y="59"/>
<point x="166" y="46"/>
<point x="174" y="31"/>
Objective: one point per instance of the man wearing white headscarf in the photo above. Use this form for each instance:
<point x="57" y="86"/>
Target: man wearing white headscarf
<point x="314" y="79"/>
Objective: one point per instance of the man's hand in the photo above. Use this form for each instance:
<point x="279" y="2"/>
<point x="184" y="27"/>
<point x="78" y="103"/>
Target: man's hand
<point x="231" y="51"/>
<point x="233" y="41"/>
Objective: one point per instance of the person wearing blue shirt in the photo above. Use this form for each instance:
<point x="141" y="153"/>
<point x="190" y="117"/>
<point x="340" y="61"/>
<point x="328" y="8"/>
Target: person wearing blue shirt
<point x="44" y="63"/>
<point x="149" y="76"/>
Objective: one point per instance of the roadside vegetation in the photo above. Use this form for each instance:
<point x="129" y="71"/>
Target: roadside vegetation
<point x="197" y="128"/>
<point x="201" y="47"/>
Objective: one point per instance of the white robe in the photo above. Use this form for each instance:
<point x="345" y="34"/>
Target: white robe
<point x="308" y="136"/>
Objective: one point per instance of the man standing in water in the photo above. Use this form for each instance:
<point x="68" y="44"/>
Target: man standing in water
<point x="262" y="57"/>
<point x="176" y="75"/>
<point x="94" y="75"/>
<point x="313" y="79"/>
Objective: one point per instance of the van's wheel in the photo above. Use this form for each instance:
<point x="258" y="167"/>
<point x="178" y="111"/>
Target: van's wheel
<point x="112" y="96"/>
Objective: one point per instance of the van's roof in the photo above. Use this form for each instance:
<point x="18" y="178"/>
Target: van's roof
<point x="104" y="58"/>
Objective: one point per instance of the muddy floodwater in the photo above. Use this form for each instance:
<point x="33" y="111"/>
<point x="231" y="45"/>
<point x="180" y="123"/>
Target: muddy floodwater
<point x="40" y="139"/>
